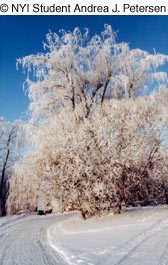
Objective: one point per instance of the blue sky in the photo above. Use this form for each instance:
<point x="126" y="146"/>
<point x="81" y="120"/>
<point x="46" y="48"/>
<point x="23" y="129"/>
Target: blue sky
<point x="23" y="35"/>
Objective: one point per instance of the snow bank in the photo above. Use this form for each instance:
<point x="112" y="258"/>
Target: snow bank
<point x="8" y="219"/>
<point x="138" y="236"/>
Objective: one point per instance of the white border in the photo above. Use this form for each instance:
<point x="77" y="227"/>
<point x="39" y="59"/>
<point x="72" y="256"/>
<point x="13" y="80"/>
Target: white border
<point x="70" y="7"/>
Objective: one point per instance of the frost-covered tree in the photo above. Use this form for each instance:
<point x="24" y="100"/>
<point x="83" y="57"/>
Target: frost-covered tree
<point x="96" y="164"/>
<point x="97" y="137"/>
<point x="139" y="73"/>
<point x="8" y="155"/>
<point x="77" y="69"/>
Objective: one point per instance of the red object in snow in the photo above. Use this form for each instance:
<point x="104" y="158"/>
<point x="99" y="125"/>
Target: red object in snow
<point x="48" y="211"/>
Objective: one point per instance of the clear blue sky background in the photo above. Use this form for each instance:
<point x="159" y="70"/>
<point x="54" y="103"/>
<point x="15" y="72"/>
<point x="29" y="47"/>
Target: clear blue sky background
<point x="23" y="35"/>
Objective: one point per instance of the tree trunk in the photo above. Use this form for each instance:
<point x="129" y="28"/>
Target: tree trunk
<point x="3" y="190"/>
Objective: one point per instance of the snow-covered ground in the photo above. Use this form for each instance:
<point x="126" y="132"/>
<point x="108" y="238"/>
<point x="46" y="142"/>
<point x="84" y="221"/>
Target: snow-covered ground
<point x="136" y="237"/>
<point x="23" y="240"/>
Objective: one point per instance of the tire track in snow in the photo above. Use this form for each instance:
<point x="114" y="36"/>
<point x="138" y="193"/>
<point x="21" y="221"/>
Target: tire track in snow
<point x="23" y="242"/>
<point x="131" y="245"/>
<point x="149" y="251"/>
<point x="164" y="257"/>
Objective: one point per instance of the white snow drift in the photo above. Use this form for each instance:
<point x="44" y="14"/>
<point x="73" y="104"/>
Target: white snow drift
<point x="139" y="236"/>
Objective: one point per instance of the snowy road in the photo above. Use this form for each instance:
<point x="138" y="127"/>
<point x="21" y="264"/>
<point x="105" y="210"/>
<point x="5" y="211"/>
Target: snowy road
<point x="23" y="241"/>
<point x="136" y="237"/>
